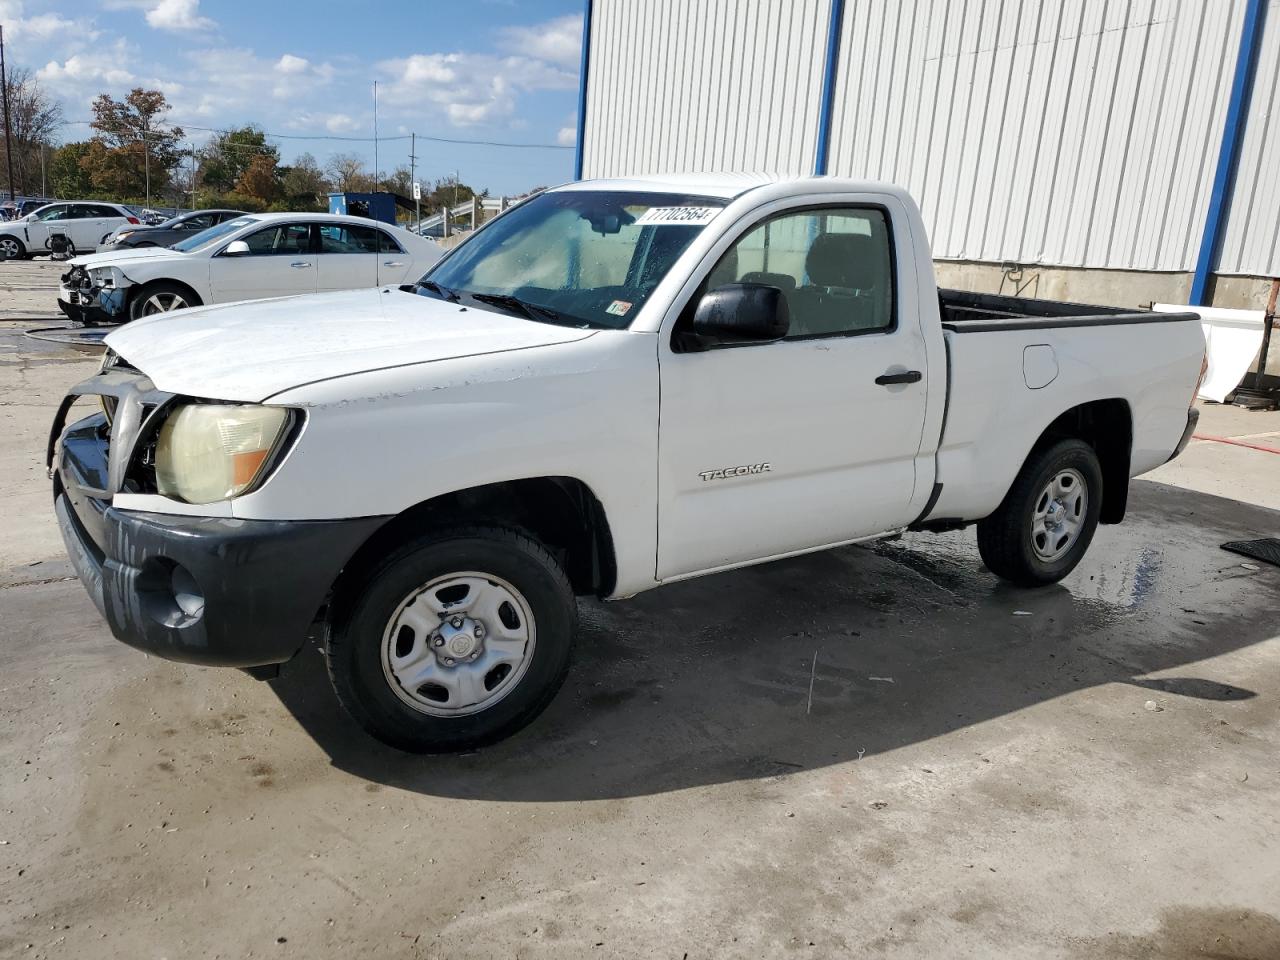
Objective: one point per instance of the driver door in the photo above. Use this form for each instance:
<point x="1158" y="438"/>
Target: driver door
<point x="281" y="262"/>
<point x="778" y="447"/>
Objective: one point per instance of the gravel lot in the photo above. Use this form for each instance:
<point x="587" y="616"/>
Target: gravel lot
<point x="1087" y="771"/>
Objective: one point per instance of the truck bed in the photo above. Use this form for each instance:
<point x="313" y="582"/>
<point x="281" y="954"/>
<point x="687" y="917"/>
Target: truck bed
<point x="966" y="312"/>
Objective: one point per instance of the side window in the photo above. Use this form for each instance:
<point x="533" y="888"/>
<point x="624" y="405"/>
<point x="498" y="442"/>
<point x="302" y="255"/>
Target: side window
<point x="833" y="265"/>
<point x="345" y="238"/>
<point x="202" y="222"/>
<point x="104" y="212"/>
<point x="289" y="239"/>
<point x="54" y="213"/>
<point x="387" y="244"/>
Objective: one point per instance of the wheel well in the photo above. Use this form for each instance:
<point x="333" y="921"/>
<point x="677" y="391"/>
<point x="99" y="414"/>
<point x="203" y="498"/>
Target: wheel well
<point x="1107" y="426"/>
<point x="140" y="288"/>
<point x="560" y="512"/>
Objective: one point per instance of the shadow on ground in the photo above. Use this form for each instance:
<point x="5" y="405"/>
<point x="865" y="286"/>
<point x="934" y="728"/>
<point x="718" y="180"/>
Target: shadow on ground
<point x="715" y="680"/>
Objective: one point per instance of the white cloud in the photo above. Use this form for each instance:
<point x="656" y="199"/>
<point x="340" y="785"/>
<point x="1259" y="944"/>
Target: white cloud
<point x="178" y="16"/>
<point x="341" y="123"/>
<point x="567" y="136"/>
<point x="558" y="41"/>
<point x="41" y="26"/>
<point x="469" y="88"/>
<point x="288" y="63"/>
<point x="84" y="70"/>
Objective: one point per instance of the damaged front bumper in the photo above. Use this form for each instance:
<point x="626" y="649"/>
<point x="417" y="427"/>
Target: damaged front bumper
<point x="83" y="300"/>
<point x="207" y="590"/>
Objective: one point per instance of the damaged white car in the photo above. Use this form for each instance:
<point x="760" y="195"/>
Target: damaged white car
<point x="253" y="257"/>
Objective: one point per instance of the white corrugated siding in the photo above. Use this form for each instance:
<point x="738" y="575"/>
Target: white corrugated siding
<point x="1251" y="244"/>
<point x="1066" y="132"/>
<point x="1063" y="132"/>
<point x="704" y="85"/>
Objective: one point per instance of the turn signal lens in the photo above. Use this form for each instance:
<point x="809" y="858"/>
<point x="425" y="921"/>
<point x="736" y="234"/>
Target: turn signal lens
<point x="212" y="451"/>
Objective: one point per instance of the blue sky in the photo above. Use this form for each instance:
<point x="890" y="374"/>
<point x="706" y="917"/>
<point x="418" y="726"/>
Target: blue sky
<point x="498" y="70"/>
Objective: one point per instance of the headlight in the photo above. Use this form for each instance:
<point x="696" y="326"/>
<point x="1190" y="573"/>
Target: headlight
<point x="126" y="235"/>
<point x="214" y="451"/>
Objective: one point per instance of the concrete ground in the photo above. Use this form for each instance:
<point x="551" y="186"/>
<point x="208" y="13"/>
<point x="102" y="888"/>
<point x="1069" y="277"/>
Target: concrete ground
<point x="874" y="752"/>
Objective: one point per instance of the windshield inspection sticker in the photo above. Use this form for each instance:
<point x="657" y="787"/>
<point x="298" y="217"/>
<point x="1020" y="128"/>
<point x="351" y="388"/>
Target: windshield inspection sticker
<point x="618" y="308"/>
<point x="677" y="216"/>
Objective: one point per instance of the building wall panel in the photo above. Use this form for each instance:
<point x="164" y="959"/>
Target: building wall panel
<point x="1078" y="133"/>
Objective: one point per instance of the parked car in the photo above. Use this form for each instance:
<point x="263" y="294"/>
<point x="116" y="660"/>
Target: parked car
<point x="612" y="386"/>
<point x="84" y="222"/>
<point x="248" y="258"/>
<point x="168" y="232"/>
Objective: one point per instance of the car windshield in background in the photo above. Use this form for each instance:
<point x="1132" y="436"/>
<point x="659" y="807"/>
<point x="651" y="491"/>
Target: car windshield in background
<point x="212" y="235"/>
<point x="577" y="257"/>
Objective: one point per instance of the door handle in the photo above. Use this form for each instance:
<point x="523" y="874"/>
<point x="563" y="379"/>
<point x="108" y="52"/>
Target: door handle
<point x="393" y="263"/>
<point x="907" y="376"/>
<point x="299" y="264"/>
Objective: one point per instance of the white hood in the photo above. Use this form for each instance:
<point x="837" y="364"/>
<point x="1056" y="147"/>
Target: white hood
<point x="119" y="258"/>
<point x="251" y="351"/>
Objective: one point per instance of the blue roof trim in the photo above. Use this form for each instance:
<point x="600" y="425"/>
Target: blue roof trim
<point x="582" y="89"/>
<point x="828" y="87"/>
<point x="1229" y="151"/>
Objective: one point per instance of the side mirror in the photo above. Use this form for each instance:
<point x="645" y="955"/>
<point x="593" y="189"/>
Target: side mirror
<point x="236" y="248"/>
<point x="741" y="313"/>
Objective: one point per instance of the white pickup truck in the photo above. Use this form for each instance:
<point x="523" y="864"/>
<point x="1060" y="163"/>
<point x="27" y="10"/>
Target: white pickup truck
<point x="612" y="386"/>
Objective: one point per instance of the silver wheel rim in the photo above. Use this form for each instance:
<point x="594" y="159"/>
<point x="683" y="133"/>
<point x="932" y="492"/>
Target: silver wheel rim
<point x="458" y="644"/>
<point x="9" y="248"/>
<point x="1058" y="514"/>
<point x="163" y="303"/>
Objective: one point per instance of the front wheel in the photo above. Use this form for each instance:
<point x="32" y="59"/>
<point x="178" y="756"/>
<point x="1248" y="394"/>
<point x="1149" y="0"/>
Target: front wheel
<point x="1044" y="526"/>
<point x="11" y="248"/>
<point x="454" y="641"/>
<point x="163" y="297"/>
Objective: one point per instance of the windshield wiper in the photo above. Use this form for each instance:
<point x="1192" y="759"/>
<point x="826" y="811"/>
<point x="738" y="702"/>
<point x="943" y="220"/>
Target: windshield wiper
<point x="436" y="288"/>
<point x="531" y="310"/>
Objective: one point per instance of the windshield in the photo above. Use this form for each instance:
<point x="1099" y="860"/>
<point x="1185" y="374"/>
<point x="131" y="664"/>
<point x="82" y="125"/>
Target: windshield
<point x="212" y="235"/>
<point x="579" y="257"/>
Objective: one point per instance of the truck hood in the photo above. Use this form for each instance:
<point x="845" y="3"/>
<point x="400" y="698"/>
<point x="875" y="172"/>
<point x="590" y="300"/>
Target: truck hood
<point x="252" y="351"/>
<point x="119" y="258"/>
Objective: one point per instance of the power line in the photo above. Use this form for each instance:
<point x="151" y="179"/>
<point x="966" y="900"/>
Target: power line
<point x="345" y="139"/>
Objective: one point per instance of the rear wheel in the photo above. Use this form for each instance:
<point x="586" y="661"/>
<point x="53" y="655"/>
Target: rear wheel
<point x="455" y="640"/>
<point x="1047" y="520"/>
<point x="163" y="297"/>
<point x="11" y="248"/>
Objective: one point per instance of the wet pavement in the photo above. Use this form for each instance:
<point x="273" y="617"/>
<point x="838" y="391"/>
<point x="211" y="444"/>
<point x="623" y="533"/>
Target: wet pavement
<point x="867" y="752"/>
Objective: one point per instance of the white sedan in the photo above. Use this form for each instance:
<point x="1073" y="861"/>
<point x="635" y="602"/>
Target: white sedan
<point x="252" y="257"/>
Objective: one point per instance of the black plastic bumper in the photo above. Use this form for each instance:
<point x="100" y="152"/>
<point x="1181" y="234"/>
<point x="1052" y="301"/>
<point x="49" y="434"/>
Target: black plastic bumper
<point x="217" y="591"/>
<point x="81" y="313"/>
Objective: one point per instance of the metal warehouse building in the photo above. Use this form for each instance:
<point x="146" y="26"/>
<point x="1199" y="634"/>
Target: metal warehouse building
<point x="1111" y="151"/>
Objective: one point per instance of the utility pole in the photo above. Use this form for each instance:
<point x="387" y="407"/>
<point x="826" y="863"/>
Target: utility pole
<point x="8" y="132"/>
<point x="413" y="179"/>
<point x="44" y="187"/>
<point x="375" y="136"/>
<point x="193" y="176"/>
<point x="146" y="167"/>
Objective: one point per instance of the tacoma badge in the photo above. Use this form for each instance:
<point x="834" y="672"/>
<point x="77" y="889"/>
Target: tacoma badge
<point x="728" y="472"/>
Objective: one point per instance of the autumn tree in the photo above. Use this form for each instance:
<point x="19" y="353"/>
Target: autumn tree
<point x="228" y="155"/>
<point x="132" y="152"/>
<point x="34" y="119"/>
<point x="348" y="173"/>
<point x="303" y="184"/>
<point x="259" y="179"/>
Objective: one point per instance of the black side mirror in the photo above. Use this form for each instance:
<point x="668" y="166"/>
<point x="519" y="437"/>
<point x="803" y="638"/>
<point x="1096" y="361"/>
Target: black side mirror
<point x="741" y="313"/>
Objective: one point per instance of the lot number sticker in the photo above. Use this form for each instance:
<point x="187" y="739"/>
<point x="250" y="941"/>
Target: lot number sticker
<point x="677" y="216"/>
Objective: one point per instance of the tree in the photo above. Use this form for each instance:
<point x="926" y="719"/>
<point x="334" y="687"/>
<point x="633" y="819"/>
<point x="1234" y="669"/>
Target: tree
<point x="34" y="119"/>
<point x="348" y="173"/>
<point x="228" y="155"/>
<point x="259" y="179"/>
<point x="303" y="184"/>
<point x="68" y="177"/>
<point x="398" y="181"/>
<point x="132" y="153"/>
<point x="448" y="193"/>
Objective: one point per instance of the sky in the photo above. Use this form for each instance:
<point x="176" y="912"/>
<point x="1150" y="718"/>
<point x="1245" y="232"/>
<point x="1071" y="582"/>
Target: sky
<point x="489" y="70"/>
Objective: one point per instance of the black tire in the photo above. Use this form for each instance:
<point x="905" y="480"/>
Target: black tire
<point x="14" y="244"/>
<point x="1006" y="539"/>
<point x="354" y="649"/>
<point x="160" y="289"/>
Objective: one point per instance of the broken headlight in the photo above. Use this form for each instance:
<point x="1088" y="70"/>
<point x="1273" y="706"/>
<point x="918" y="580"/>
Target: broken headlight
<point x="215" y="451"/>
